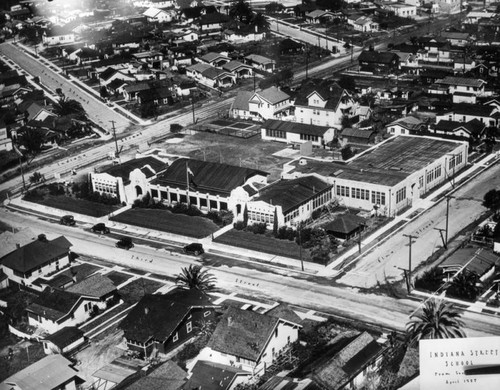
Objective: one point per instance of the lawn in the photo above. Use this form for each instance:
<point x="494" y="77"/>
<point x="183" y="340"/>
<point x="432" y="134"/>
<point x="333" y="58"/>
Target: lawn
<point x="261" y="243"/>
<point x="134" y="291"/>
<point x="165" y="221"/>
<point x="118" y="277"/>
<point x="74" y="205"/>
<point x="82" y="271"/>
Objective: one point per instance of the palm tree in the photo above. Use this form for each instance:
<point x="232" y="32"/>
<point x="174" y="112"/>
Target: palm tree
<point x="260" y="21"/>
<point x="437" y="320"/>
<point x="193" y="278"/>
<point x="69" y="106"/>
<point x="464" y="286"/>
<point x="241" y="10"/>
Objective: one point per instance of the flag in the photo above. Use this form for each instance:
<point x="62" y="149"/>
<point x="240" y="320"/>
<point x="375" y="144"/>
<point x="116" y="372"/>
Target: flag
<point x="190" y="171"/>
<point x="190" y="176"/>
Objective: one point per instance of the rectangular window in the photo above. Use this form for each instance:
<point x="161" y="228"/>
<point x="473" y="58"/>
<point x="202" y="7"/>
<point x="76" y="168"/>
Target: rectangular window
<point x="275" y="133"/>
<point x="189" y="327"/>
<point x="193" y="200"/>
<point x="400" y="195"/>
<point x="173" y="197"/>
<point x="183" y="198"/>
<point x="378" y="197"/>
<point x="203" y="202"/>
<point x="223" y="205"/>
<point x="213" y="204"/>
<point x="343" y="190"/>
<point x="154" y="193"/>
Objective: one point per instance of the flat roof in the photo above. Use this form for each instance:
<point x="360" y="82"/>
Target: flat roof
<point x="387" y="163"/>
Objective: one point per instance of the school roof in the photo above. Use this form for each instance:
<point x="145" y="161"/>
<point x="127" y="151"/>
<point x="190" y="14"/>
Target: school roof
<point x="295" y="128"/>
<point x="49" y="373"/>
<point x="36" y="253"/>
<point x="211" y="177"/>
<point x="123" y="170"/>
<point x="95" y="286"/>
<point x="387" y="163"/>
<point x="478" y="260"/>
<point x="157" y="316"/>
<point x="242" y="333"/>
<point x="213" y="376"/>
<point x="290" y="194"/>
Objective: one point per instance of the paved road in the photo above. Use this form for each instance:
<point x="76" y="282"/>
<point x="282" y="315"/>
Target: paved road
<point x="386" y="261"/>
<point x="97" y="111"/>
<point x="281" y="285"/>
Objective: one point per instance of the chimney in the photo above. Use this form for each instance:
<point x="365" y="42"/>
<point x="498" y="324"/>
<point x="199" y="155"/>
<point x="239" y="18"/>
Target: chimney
<point x="18" y="246"/>
<point x="229" y="321"/>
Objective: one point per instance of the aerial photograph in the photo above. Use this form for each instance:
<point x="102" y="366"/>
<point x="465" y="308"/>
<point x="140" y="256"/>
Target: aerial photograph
<point x="249" y="195"/>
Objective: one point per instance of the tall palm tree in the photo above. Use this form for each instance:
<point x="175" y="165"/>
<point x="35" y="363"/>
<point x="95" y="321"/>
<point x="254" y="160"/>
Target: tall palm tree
<point x="437" y="320"/>
<point x="260" y="21"/>
<point x="193" y="278"/>
<point x="69" y="106"/>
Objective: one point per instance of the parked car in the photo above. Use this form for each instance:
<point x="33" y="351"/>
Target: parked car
<point x="100" y="228"/>
<point x="67" y="220"/>
<point x="125" y="243"/>
<point x="194" y="248"/>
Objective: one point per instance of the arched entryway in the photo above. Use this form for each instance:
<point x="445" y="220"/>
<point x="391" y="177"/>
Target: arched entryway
<point x="138" y="190"/>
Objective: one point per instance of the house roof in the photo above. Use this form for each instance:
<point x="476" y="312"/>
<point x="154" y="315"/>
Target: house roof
<point x="123" y="170"/>
<point x="345" y="224"/>
<point x="158" y="316"/>
<point x="290" y="194"/>
<point x="9" y="240"/>
<point x="377" y="57"/>
<point x="54" y="304"/>
<point x="213" y="18"/>
<point x="408" y="122"/>
<point x="36" y="253"/>
<point x="259" y="59"/>
<point x="215" y="73"/>
<point x="351" y="355"/>
<point x="213" y="376"/>
<point x="330" y="92"/>
<point x="168" y="376"/>
<point x="231" y="66"/>
<point x="65" y="336"/>
<point x="108" y="73"/>
<point x="46" y="374"/>
<point x="241" y="100"/>
<point x="199" y="67"/>
<point x="211" y="177"/>
<point x="463" y="81"/>
<point x="475" y="126"/>
<point x="96" y="285"/>
<point x="117" y="83"/>
<point x="284" y="312"/>
<point x="242" y="333"/>
<point x="211" y="56"/>
<point x="478" y="260"/>
<point x="272" y="95"/>
<point x="357" y="133"/>
<point x="295" y="128"/>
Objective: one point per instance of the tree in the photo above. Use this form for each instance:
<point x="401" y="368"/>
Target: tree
<point x="274" y="7"/>
<point x="260" y="21"/>
<point x="437" y="320"/>
<point x="193" y="278"/>
<point x="332" y="5"/>
<point x="346" y="152"/>
<point x="245" y="216"/>
<point x="32" y="140"/>
<point x="36" y="177"/>
<point x="347" y="82"/>
<point x="241" y="10"/>
<point x="275" y="223"/>
<point x="431" y="279"/>
<point x="149" y="110"/>
<point x="65" y="107"/>
<point x="104" y="92"/>
<point x="464" y="285"/>
<point x="491" y="200"/>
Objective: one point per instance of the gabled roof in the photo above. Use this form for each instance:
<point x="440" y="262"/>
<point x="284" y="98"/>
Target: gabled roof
<point x="211" y="177"/>
<point x="199" y="67"/>
<point x="211" y="56"/>
<point x="259" y="59"/>
<point x="213" y="18"/>
<point x="123" y="170"/>
<point x="9" y="240"/>
<point x="215" y="73"/>
<point x="36" y="253"/>
<point x="54" y="304"/>
<point x="284" y="312"/>
<point x="65" y="336"/>
<point x="478" y="260"/>
<point x="290" y="194"/>
<point x="158" y="316"/>
<point x="357" y="133"/>
<point x="345" y="224"/>
<point x="231" y="66"/>
<point x="474" y="127"/>
<point x="473" y="109"/>
<point x="328" y="91"/>
<point x="408" y="122"/>
<point x="295" y="128"/>
<point x="273" y="95"/>
<point x="213" y="376"/>
<point x="108" y="73"/>
<point x="241" y="100"/>
<point x="117" y="83"/>
<point x="243" y="333"/>
<point x="49" y="373"/>
<point x="96" y="285"/>
<point x="169" y="376"/>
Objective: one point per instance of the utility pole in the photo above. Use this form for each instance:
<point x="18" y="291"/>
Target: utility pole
<point x="359" y="237"/>
<point x="448" y="197"/>
<point x="307" y="62"/>
<point x="445" y="244"/>
<point x="300" y="247"/>
<point x="116" y="142"/>
<point x="408" y="275"/>
<point x="192" y="106"/>
<point x="22" y="173"/>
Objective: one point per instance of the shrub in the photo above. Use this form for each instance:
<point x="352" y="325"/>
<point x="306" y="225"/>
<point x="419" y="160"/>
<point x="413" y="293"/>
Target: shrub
<point x="316" y="214"/>
<point x="258" y="228"/>
<point x="239" y="225"/>
<point x="56" y="189"/>
<point x="430" y="280"/>
<point x="175" y="128"/>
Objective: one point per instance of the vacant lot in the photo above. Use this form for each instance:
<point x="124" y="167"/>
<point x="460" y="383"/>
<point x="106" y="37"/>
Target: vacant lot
<point x="73" y="205"/>
<point x="260" y="243"/>
<point x="166" y="221"/>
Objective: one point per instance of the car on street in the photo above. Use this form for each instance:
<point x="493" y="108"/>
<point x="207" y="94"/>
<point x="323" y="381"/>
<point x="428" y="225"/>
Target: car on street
<point x="125" y="243"/>
<point x="100" y="228"/>
<point x="194" y="248"/>
<point x="67" y="220"/>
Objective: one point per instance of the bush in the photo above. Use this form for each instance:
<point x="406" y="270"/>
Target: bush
<point x="316" y="214"/>
<point x="56" y="189"/>
<point x="239" y="225"/>
<point x="258" y="228"/>
<point x="430" y="280"/>
<point x="175" y="128"/>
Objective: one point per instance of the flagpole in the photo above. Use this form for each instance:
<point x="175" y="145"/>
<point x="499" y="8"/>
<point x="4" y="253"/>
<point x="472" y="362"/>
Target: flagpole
<point x="187" y="182"/>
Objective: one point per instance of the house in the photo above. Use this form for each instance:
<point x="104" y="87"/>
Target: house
<point x="129" y="180"/>
<point x="319" y="16"/>
<point x="244" y="33"/>
<point x="378" y="62"/>
<point x="58" y="35"/>
<point x="211" y="77"/>
<point x="186" y="88"/>
<point x="168" y="376"/>
<point x="352" y="357"/>
<point x="36" y="259"/>
<point x="251" y="341"/>
<point x="402" y="10"/>
<point x="363" y="23"/>
<point x="214" y="376"/>
<point x="153" y="58"/>
<point x="456" y="38"/>
<point x="289" y="200"/>
<point x="111" y="74"/>
<point x="480" y="261"/>
<point x="322" y="103"/>
<point x="212" y="24"/>
<point x="161" y="323"/>
<point x="157" y="15"/>
<point x="406" y="125"/>
<point x="464" y="112"/>
<point x="53" y="372"/>
<point x="63" y="341"/>
<point x="357" y="136"/>
<point x="297" y="133"/>
<point x="5" y="141"/>
<point x="240" y="108"/>
<point x="289" y="46"/>
<point x="270" y="103"/>
<point x="215" y="59"/>
<point x="464" y="85"/>
<point x="211" y="186"/>
<point x="157" y="96"/>
<point x="471" y="130"/>
<point x="261" y="63"/>
<point x="9" y="241"/>
<point x="238" y="69"/>
<point x="345" y="226"/>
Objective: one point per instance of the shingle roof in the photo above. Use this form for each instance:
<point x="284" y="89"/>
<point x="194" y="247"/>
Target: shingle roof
<point x="295" y="128"/>
<point x="199" y="67"/>
<point x="36" y="253"/>
<point x="478" y="260"/>
<point x="54" y="304"/>
<point x="233" y="65"/>
<point x="214" y="73"/>
<point x="241" y="100"/>
<point x="9" y="240"/>
<point x="108" y="73"/>
<point x="357" y="133"/>
<point x="473" y="109"/>
<point x="284" y="312"/>
<point x="272" y="95"/>
<point x="329" y="91"/>
<point x="242" y="333"/>
<point x="408" y="122"/>
<point x="96" y="285"/>
<point x="169" y="376"/>
<point x="213" y="376"/>
<point x="346" y="223"/>
<point x="123" y="170"/>
<point x="259" y="59"/>
<point x="377" y="57"/>
<point x="211" y="177"/>
<point x="211" y="56"/>
<point x="475" y="126"/>
<point x="65" y="336"/>
<point x="157" y="316"/>
<point x="46" y="374"/>
<point x="290" y="194"/>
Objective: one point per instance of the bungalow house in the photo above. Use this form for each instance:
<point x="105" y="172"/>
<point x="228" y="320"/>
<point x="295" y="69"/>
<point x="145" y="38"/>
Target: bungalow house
<point x="363" y="23"/>
<point x="154" y="59"/>
<point x="131" y="91"/>
<point x="290" y="201"/>
<point x="129" y="180"/>
<point x="161" y="323"/>
<point x="270" y="103"/>
<point x="480" y="261"/>
<point x="289" y="46"/>
<point x="215" y="59"/>
<point x="5" y="141"/>
<point x="322" y="103"/>
<point x="471" y="130"/>
<point x="474" y="17"/>
<point x="464" y="112"/>
<point x="465" y="85"/>
<point x="296" y="133"/>
<point x="58" y="35"/>
<point x="357" y="136"/>
<point x="111" y="74"/>
<point x="212" y="24"/>
<point x="116" y="87"/>
<point x="456" y="38"/>
<point x="406" y="125"/>
<point x="378" y="62"/>
<point x="186" y="88"/>
<point x="345" y="226"/>
<point x="211" y="186"/>
<point x="63" y="341"/>
<point x="261" y="63"/>
<point x="217" y="78"/>
<point x="156" y="15"/>
<point x="36" y="259"/>
<point x="158" y="96"/>
<point x="53" y="372"/>
<point x="251" y="341"/>
<point x="238" y="69"/>
<point x="319" y="16"/>
<point x="208" y="375"/>
<point x="352" y="357"/>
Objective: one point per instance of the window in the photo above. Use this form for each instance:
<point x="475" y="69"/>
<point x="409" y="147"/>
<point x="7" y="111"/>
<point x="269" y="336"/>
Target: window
<point x="343" y="191"/>
<point x="359" y="193"/>
<point x="207" y="313"/>
<point x="400" y="195"/>
<point x="176" y="337"/>
<point x="189" y="327"/>
<point x="275" y="133"/>
<point x="154" y="193"/>
<point x="421" y="182"/>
